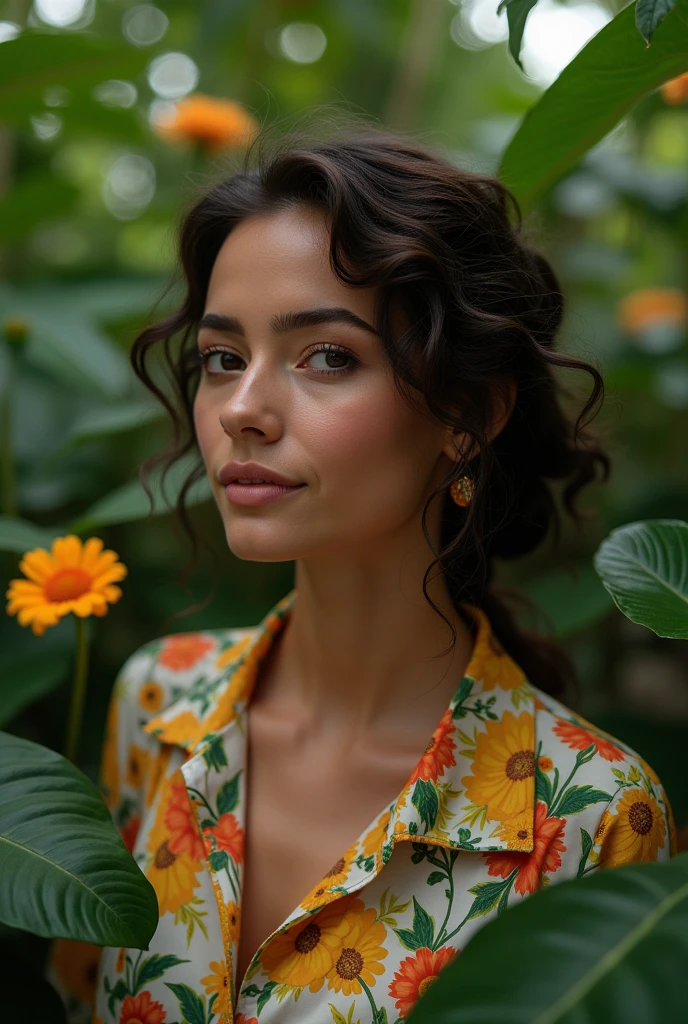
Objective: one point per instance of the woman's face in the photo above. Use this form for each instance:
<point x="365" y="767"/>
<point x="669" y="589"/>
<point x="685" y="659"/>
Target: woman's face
<point x="368" y="461"/>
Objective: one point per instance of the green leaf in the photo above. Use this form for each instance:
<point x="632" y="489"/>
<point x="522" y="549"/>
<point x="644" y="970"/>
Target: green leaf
<point x="228" y="796"/>
<point x="644" y="566"/>
<point x="131" y="502"/>
<point x="436" y="876"/>
<point x="33" y="199"/>
<point x="579" y="942"/>
<point x="219" y="860"/>
<point x="517" y="12"/>
<point x="543" y="787"/>
<point x="586" y="847"/>
<point x="594" y="91"/>
<point x="27" y="676"/>
<point x="35" y="59"/>
<point x="154" y="967"/>
<point x="487" y="896"/>
<point x="191" y="1005"/>
<point x="423" y="927"/>
<point x="426" y="802"/>
<point x="77" y="878"/>
<point x="21" y="536"/>
<point x="577" y="798"/>
<point x="106" y="421"/>
<point x="649" y="13"/>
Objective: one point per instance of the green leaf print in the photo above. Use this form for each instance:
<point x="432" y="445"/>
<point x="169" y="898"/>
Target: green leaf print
<point x="422" y="932"/>
<point x="586" y="847"/>
<point x="214" y="754"/>
<point x="426" y="802"/>
<point x="219" y="860"/>
<point x="228" y="797"/>
<point x="436" y="876"/>
<point x="339" y="1018"/>
<point x="577" y="798"/>
<point x="115" y="994"/>
<point x="153" y="968"/>
<point x="192" y="1006"/>
<point x="488" y="895"/>
<point x="543" y="787"/>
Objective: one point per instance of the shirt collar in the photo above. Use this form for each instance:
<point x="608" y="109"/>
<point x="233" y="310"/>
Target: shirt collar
<point x="474" y="786"/>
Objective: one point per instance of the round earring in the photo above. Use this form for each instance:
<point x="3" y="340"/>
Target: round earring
<point x="462" y="491"/>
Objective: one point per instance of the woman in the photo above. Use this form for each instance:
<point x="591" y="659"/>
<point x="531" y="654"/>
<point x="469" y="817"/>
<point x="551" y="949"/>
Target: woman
<point x="331" y="804"/>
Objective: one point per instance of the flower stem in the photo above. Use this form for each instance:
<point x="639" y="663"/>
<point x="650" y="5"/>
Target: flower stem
<point x="76" y="707"/>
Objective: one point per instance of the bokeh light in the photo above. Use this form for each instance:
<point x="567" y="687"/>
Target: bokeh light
<point x="144" y="24"/>
<point x="302" y="42"/>
<point x="173" y="75"/>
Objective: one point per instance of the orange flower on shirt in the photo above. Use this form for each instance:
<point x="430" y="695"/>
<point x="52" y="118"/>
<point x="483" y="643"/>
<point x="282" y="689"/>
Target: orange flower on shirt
<point x="415" y="975"/>
<point x="181" y="822"/>
<point x="229" y="837"/>
<point x="546" y="856"/>
<point x="578" y="738"/>
<point x="141" y="1009"/>
<point x="172" y="875"/>
<point x="438" y="754"/>
<point x="181" y="651"/>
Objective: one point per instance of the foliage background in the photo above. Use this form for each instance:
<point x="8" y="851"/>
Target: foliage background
<point x="89" y="198"/>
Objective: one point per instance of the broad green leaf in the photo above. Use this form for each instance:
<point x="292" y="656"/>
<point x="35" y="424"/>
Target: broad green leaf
<point x="131" y="502"/>
<point x="106" y="298"/>
<point x="64" y="870"/>
<point x="571" y="600"/>
<point x="33" y="199"/>
<point x="594" y="91"/>
<point x="644" y="566"/>
<point x="37" y="60"/>
<point x="106" y="420"/>
<point x="20" y="535"/>
<point x="27" y="676"/>
<point x="649" y="13"/>
<point x="77" y="352"/>
<point x="582" y="951"/>
<point x="517" y="12"/>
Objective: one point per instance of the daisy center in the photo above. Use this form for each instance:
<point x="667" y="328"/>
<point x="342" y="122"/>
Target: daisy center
<point x="164" y="858"/>
<point x="425" y="984"/>
<point x="640" y="818"/>
<point x="307" y="939"/>
<point x="337" y="869"/>
<point x="67" y="584"/>
<point x="520" y="765"/>
<point x="350" y="964"/>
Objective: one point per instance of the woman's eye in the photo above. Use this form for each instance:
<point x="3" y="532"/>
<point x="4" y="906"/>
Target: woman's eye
<point x="216" y="362"/>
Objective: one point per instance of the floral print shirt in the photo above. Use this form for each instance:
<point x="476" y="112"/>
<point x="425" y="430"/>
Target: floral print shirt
<point x="513" y="792"/>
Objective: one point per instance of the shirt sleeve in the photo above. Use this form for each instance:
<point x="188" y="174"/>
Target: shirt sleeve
<point x="637" y="825"/>
<point x="130" y="762"/>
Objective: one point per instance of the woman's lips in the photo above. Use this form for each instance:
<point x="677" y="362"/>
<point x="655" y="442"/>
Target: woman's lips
<point x="258" y="494"/>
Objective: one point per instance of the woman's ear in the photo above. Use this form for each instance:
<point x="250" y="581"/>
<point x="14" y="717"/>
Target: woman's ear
<point x="504" y="401"/>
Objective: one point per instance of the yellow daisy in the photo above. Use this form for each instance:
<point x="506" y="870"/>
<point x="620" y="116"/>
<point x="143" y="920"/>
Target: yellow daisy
<point x="218" y="983"/>
<point x="634" y="834"/>
<point x="233" y="920"/>
<point x="374" y="839"/>
<point x="172" y="875"/>
<point x="337" y="874"/>
<point x="361" y="953"/>
<point x="137" y="765"/>
<point x="151" y="696"/>
<point x="503" y="778"/>
<point x="72" y="577"/>
<point x="304" y="953"/>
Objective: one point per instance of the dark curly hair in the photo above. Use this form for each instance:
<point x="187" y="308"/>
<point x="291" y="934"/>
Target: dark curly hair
<point x="447" y="245"/>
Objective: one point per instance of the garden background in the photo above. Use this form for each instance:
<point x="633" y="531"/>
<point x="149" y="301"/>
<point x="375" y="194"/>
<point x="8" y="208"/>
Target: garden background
<point x="111" y="114"/>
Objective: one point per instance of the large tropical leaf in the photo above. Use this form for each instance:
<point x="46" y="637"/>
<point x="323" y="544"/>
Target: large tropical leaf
<point x="594" y="91"/>
<point x="644" y="566"/>
<point x="28" y="675"/>
<point x="36" y="60"/>
<point x="610" y="947"/>
<point x="131" y="502"/>
<point x="20" y="535"/>
<point x="64" y="870"/>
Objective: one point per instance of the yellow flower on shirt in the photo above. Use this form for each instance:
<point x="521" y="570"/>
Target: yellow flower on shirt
<point x="172" y="875"/>
<point x="304" y="953"/>
<point x="634" y="833"/>
<point x="217" y="983"/>
<point x="503" y="776"/>
<point x="362" y="950"/>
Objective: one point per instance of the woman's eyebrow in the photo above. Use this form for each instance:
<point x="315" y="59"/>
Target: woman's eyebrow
<point x="283" y="322"/>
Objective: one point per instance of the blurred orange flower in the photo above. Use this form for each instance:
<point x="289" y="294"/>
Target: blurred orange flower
<point x="675" y="91"/>
<point x="214" y="123"/>
<point x="72" y="577"/>
<point x="647" y="306"/>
